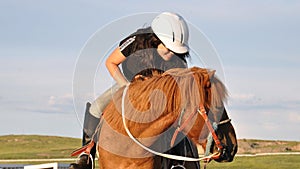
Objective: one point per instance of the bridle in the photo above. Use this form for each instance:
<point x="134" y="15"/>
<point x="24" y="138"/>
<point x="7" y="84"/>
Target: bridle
<point x="212" y="127"/>
<point x="200" y="110"/>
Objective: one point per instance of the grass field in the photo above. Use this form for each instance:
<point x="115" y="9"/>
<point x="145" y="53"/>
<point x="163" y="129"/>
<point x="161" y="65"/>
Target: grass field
<point x="260" y="162"/>
<point x="36" y="146"/>
<point x="48" y="147"/>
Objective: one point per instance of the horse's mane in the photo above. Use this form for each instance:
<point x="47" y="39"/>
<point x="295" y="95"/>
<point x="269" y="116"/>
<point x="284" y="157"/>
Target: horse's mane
<point x="211" y="90"/>
<point x="163" y="96"/>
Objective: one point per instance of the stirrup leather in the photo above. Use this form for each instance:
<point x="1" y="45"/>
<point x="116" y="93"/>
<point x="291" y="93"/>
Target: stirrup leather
<point x="84" y="149"/>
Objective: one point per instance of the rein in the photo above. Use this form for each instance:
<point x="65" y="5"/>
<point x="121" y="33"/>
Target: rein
<point x="203" y="113"/>
<point x="170" y="156"/>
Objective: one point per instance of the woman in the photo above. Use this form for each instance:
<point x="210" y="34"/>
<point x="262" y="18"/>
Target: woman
<point x="162" y="46"/>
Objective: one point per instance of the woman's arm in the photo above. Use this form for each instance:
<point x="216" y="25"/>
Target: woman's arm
<point x="112" y="65"/>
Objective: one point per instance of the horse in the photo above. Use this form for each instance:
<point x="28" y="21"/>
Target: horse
<point x="147" y="109"/>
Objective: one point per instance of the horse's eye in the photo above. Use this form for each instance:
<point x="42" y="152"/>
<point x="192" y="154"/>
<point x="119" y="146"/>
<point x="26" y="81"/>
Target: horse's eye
<point x="220" y="136"/>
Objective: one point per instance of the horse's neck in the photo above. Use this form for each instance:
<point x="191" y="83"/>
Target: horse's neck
<point x="155" y="128"/>
<point x="149" y="123"/>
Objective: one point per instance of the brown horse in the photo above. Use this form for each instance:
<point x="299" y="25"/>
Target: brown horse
<point x="151" y="106"/>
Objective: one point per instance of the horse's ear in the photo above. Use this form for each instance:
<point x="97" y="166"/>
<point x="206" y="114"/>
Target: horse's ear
<point x="211" y="74"/>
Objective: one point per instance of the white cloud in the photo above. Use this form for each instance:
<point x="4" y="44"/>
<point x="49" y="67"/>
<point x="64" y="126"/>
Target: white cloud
<point x="242" y="96"/>
<point x="269" y="126"/>
<point x="60" y="100"/>
<point x="264" y="123"/>
<point x="294" y="117"/>
<point x="51" y="100"/>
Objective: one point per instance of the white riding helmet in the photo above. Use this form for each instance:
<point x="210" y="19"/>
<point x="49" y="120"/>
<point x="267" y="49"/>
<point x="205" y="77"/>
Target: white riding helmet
<point x="172" y="30"/>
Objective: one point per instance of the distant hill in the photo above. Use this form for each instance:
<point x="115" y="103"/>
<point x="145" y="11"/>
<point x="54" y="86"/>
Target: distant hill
<point x="41" y="147"/>
<point x="252" y="146"/>
<point x="36" y="146"/>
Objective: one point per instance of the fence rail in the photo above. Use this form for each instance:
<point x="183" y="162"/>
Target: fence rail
<point x="37" y="160"/>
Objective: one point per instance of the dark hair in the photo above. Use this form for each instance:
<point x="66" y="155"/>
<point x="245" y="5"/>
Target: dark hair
<point x="145" y="38"/>
<point x="144" y="55"/>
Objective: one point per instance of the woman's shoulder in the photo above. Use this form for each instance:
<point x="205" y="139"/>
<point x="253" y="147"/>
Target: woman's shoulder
<point x="133" y="42"/>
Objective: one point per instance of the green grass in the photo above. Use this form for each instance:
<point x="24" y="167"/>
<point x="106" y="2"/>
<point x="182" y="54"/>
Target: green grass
<point x="36" y="146"/>
<point x="260" y="162"/>
<point x="47" y="147"/>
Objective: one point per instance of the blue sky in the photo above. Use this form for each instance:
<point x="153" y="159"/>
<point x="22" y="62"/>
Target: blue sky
<point x="257" y="42"/>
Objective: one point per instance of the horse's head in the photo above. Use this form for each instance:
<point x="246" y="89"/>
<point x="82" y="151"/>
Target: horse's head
<point x="220" y="134"/>
<point x="226" y="135"/>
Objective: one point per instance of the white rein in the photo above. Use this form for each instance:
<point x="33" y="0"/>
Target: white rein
<point x="170" y="156"/>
